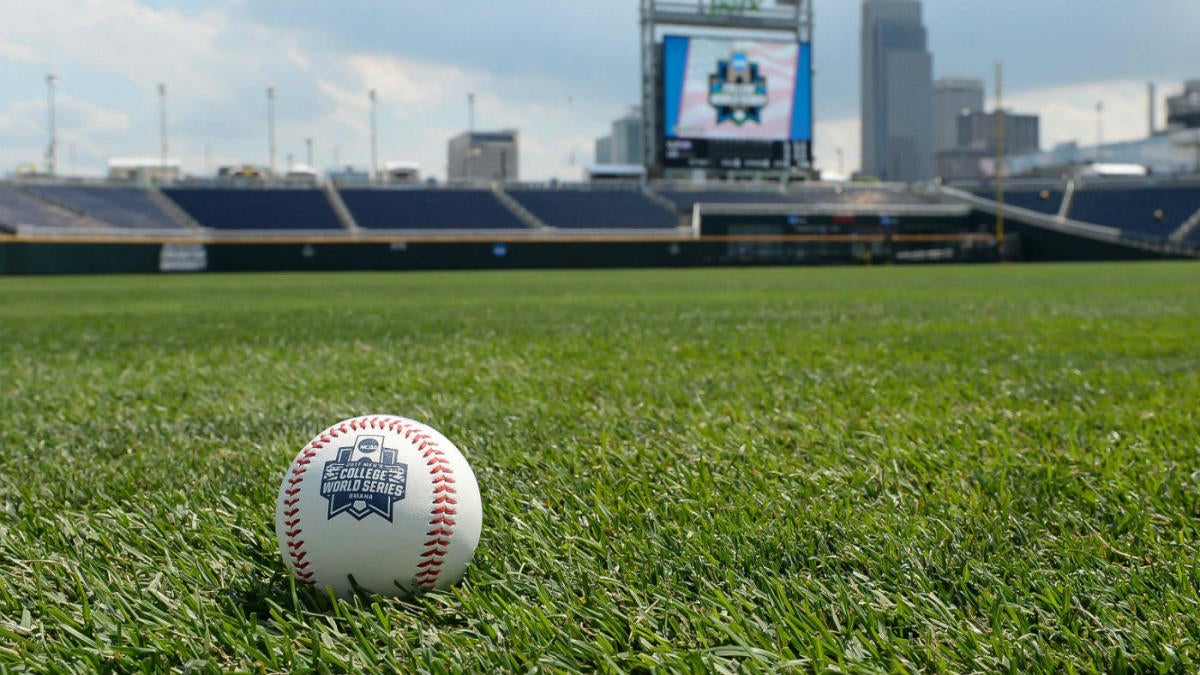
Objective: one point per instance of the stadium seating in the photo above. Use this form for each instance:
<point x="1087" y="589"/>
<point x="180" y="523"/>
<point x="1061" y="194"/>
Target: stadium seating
<point x="120" y="206"/>
<point x="257" y="208"/>
<point x="1042" y="201"/>
<point x="686" y="199"/>
<point x="1153" y="212"/>
<point x="420" y="209"/>
<point x="17" y="208"/>
<point x="578" y="209"/>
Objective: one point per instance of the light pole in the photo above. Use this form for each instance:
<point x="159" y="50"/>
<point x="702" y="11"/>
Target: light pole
<point x="375" y="150"/>
<point x="52" y="149"/>
<point x="1000" y="158"/>
<point x="840" y="156"/>
<point x="1099" y="130"/>
<point x="162" y="130"/>
<point x="271" y="125"/>
<point x="309" y="153"/>
<point x="471" y="112"/>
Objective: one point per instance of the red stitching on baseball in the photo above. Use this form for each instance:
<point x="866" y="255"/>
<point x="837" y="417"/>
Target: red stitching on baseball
<point x="440" y="473"/>
<point x="298" y="469"/>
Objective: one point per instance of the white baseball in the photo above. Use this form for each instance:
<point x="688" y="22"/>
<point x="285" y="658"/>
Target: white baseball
<point x="383" y="499"/>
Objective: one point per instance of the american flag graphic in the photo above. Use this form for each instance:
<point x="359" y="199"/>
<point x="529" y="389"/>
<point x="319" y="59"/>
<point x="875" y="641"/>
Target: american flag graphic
<point x="776" y="62"/>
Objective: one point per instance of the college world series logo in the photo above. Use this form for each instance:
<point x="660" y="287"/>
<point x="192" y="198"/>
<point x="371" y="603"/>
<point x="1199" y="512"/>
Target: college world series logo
<point x="737" y="90"/>
<point x="364" y="479"/>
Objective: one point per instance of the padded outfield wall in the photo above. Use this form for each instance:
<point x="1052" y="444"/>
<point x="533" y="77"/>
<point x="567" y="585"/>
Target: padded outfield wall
<point x="119" y="256"/>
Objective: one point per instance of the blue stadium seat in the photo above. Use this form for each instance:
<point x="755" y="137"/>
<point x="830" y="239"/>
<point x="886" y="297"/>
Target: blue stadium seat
<point x="422" y="209"/>
<point x="257" y="208"/>
<point x="595" y="208"/>
<point x="17" y="208"/>
<point x="1144" y="211"/>
<point x="1042" y="201"/>
<point x="119" y="206"/>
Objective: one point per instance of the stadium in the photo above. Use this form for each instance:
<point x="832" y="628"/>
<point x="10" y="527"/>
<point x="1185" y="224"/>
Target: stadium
<point x="738" y="188"/>
<point x="724" y="415"/>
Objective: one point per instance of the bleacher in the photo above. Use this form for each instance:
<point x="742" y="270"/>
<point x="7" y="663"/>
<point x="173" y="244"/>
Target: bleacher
<point x="594" y="208"/>
<point x="119" y="206"/>
<point x="225" y="208"/>
<point x="428" y="209"/>
<point x="1146" y="212"/>
<point x="19" y="209"/>
<point x="1042" y="201"/>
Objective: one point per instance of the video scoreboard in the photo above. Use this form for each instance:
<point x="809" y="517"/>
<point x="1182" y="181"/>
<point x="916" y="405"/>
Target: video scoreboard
<point x="735" y="103"/>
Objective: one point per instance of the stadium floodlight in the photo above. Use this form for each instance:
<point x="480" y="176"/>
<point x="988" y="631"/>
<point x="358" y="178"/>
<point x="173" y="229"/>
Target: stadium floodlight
<point x="162" y="119"/>
<point x="374" y="139"/>
<point x="52" y="149"/>
<point x="471" y="111"/>
<point x="1099" y="130"/>
<point x="271" y="125"/>
<point x="309" y="152"/>
<point x="1000" y="157"/>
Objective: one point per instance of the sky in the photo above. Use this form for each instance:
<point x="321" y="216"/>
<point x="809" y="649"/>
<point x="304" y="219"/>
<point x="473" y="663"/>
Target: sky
<point x="560" y="72"/>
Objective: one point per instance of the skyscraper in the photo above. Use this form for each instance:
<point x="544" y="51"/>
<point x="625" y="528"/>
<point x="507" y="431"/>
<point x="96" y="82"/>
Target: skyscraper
<point x="953" y="96"/>
<point x="897" y="92"/>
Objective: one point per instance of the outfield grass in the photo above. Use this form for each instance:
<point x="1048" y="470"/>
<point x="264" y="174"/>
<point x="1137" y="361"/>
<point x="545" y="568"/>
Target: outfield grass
<point x="990" y="468"/>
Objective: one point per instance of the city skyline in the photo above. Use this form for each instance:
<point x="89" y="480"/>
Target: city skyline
<point x="576" y="72"/>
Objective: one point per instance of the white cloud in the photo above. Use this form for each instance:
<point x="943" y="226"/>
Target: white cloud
<point x="17" y="52"/>
<point x="1069" y="113"/>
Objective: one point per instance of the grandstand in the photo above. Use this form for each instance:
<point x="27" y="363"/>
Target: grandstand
<point x="120" y="205"/>
<point x="19" y="208"/>
<point x="612" y="207"/>
<point x="391" y="208"/>
<point x="705" y="223"/>
<point x="1150" y="208"/>
<point x="257" y="208"/>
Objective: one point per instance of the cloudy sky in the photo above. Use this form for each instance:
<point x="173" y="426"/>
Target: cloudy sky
<point x="558" y="70"/>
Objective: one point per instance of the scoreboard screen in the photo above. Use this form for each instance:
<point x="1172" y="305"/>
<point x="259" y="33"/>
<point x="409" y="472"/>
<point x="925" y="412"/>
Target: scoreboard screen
<point x="736" y="104"/>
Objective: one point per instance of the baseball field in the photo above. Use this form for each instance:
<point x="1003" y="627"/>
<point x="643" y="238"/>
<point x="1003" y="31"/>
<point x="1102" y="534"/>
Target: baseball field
<point x="955" y="469"/>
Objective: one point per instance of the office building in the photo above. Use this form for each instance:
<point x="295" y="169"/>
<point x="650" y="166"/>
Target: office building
<point x="897" y="92"/>
<point x="953" y="96"/>
<point x="483" y="156"/>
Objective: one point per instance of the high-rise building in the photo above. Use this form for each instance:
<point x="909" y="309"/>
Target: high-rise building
<point x="483" y="156"/>
<point x="975" y="143"/>
<point x="1183" y="111"/>
<point x="604" y="150"/>
<point x="952" y="97"/>
<point x="627" y="138"/>
<point x="897" y="92"/>
<point x="624" y="144"/>
<point x="1022" y="133"/>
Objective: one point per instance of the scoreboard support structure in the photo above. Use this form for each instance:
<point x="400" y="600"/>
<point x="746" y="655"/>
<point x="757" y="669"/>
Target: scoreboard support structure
<point x="766" y="19"/>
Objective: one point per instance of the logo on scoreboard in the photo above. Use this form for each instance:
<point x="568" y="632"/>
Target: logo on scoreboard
<point x="365" y="478"/>
<point x="737" y="90"/>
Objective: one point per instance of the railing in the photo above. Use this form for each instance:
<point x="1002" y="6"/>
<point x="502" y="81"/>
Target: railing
<point x="1074" y="227"/>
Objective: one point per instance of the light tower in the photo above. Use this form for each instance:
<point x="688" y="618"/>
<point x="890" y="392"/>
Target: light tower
<point x="162" y="130"/>
<point x="52" y="148"/>
<point x="271" y="125"/>
<point x="374" y="139"/>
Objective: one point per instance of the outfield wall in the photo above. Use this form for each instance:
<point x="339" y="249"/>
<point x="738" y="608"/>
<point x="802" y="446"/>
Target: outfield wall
<point x="1024" y="243"/>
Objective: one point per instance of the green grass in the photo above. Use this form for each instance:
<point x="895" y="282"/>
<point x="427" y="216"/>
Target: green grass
<point x="990" y="468"/>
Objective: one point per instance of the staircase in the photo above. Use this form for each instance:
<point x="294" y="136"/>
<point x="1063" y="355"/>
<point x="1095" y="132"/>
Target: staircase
<point x="522" y="213"/>
<point x="685" y="219"/>
<point x="1068" y="200"/>
<point x="339" y="207"/>
<point x="166" y="204"/>
<point x="1184" y="230"/>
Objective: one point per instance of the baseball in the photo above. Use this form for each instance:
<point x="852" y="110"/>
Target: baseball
<point x="382" y="500"/>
